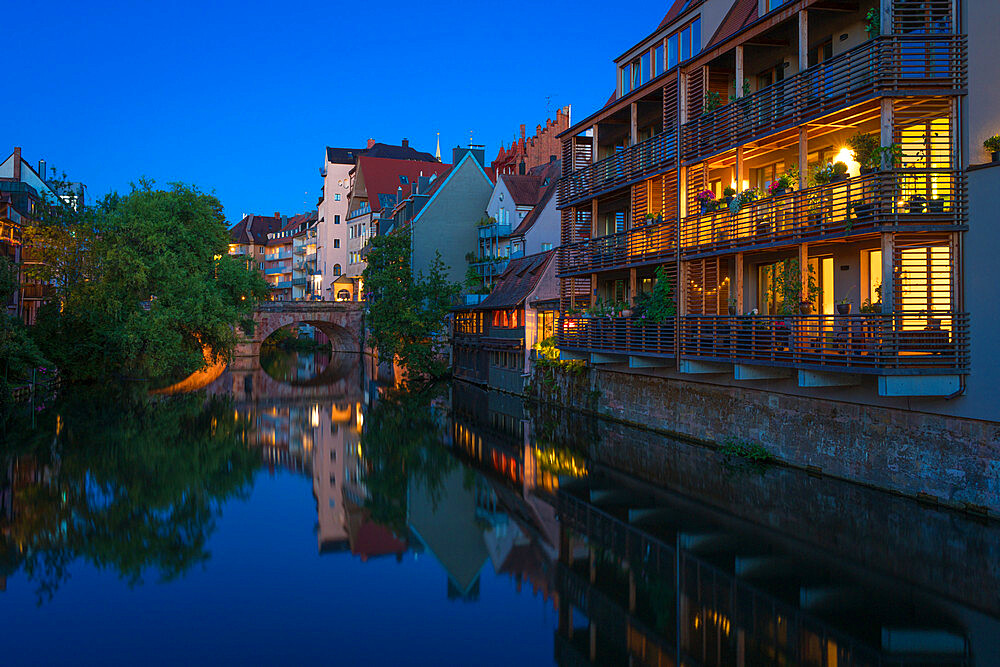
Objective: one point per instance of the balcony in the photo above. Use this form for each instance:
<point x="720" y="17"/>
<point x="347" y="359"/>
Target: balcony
<point x="491" y="267"/>
<point x="495" y="230"/>
<point x="652" y="244"/>
<point x="277" y="270"/>
<point x="887" y="64"/>
<point x="277" y="256"/>
<point x="298" y="282"/>
<point x="632" y="164"/>
<point x="617" y="335"/>
<point x="299" y="250"/>
<point x="904" y="343"/>
<point x="875" y="202"/>
<point x="283" y="284"/>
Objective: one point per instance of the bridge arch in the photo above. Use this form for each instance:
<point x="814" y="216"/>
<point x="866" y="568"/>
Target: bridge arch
<point x="341" y="322"/>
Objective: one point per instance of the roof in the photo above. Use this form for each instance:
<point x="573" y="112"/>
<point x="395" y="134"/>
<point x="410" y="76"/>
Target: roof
<point x="741" y="14"/>
<point x="382" y="176"/>
<point x="529" y="220"/>
<point x="296" y="221"/>
<point x="343" y="155"/>
<point x="398" y="153"/>
<point x="254" y="229"/>
<point x="675" y="11"/>
<point x="525" y="190"/>
<point x="518" y="281"/>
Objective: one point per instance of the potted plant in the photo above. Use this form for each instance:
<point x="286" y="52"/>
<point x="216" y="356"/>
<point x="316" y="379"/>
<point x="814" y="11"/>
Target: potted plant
<point x="705" y="198"/>
<point x="915" y="204"/>
<point x="712" y="102"/>
<point x="839" y="172"/>
<point x="780" y="185"/>
<point x="823" y="175"/>
<point x="866" y="151"/>
<point x="873" y="24"/>
<point x="844" y="306"/>
<point x="748" y="196"/>
<point x="993" y="146"/>
<point x="727" y="196"/>
<point x="863" y="210"/>
<point x="732" y="305"/>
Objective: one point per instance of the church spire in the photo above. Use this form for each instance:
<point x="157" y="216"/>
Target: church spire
<point x="437" y="154"/>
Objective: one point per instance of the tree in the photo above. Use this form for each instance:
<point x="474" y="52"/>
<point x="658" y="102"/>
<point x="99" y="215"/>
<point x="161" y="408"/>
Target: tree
<point x="407" y="314"/>
<point x="140" y="284"/>
<point x="18" y="352"/>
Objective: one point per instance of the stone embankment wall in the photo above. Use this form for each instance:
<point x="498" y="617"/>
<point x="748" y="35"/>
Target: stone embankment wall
<point x="939" y="459"/>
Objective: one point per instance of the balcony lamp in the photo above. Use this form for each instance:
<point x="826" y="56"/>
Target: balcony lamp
<point x="846" y="155"/>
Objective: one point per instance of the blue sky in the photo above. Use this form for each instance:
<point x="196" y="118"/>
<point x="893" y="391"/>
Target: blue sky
<point x="240" y="98"/>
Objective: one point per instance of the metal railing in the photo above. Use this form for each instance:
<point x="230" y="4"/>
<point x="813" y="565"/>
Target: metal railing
<point x="902" y="343"/>
<point x="494" y="230"/>
<point x="856" y="205"/>
<point x="655" y="242"/>
<point x="889" y="63"/>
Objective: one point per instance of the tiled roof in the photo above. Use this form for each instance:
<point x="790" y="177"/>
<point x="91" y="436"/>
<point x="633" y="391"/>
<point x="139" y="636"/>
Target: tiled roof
<point x="675" y="11"/>
<point x="398" y="153"/>
<point x="742" y="14"/>
<point x="525" y="189"/>
<point x="254" y="229"/>
<point x="343" y="155"/>
<point x="517" y="282"/>
<point x="529" y="220"/>
<point x="382" y="176"/>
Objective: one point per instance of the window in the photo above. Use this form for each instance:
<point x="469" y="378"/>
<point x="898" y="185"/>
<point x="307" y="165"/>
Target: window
<point x="336" y="243"/>
<point x="336" y="219"/>
<point x="402" y="179"/>
<point x="336" y="269"/>
<point x="336" y="197"/>
<point x="546" y="247"/>
<point x="658" y="61"/>
<point x="644" y="67"/>
<point x="672" y="51"/>
<point x="626" y="83"/>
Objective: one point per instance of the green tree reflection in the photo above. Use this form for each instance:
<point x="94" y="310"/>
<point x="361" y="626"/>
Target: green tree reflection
<point x="402" y="442"/>
<point x="128" y="484"/>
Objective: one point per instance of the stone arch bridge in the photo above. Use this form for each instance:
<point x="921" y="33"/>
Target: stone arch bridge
<point x="341" y="321"/>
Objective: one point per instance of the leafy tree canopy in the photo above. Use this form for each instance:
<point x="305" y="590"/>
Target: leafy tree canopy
<point x="18" y="352"/>
<point x="140" y="284"/>
<point x="406" y="313"/>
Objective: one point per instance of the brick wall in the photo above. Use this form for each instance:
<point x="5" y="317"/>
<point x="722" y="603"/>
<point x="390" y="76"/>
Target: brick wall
<point x="535" y="150"/>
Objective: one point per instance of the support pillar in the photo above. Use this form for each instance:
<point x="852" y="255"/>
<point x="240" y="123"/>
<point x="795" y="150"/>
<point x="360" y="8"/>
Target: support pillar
<point x="594" y="156"/>
<point x="888" y="277"/>
<point x="634" y="131"/>
<point x="633" y="285"/>
<point x="739" y="169"/>
<point x="803" y="156"/>
<point x="739" y="71"/>
<point x="739" y="284"/>
<point x="803" y="39"/>
<point x="885" y="126"/>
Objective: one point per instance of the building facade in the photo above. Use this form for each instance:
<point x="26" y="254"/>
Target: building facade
<point x="331" y="230"/>
<point x="716" y="164"/>
<point x="526" y="153"/>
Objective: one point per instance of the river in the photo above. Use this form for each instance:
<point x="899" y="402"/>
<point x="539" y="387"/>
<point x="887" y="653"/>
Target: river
<point x="311" y="510"/>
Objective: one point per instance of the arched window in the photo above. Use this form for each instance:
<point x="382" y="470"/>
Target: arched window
<point x="343" y="295"/>
<point x="336" y="269"/>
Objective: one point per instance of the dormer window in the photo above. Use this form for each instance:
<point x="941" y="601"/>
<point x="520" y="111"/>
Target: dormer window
<point x="402" y="179"/>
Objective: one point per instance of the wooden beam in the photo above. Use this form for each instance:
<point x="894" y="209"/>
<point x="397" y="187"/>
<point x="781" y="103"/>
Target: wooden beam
<point x="593" y="153"/>
<point x="634" y="125"/>
<point x="633" y="283"/>
<point x="803" y="39"/>
<point x="888" y="250"/>
<point x="739" y="71"/>
<point x="885" y="126"/>
<point x="766" y="41"/>
<point x="739" y="283"/>
<point x="803" y="156"/>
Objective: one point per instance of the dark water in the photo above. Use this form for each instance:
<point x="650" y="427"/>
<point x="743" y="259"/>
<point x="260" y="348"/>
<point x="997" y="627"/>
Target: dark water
<point x="314" y="511"/>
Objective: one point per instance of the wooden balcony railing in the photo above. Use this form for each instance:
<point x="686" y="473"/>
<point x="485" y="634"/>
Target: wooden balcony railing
<point x="625" y="335"/>
<point x="905" y="343"/>
<point x="651" y="243"/>
<point x="626" y="166"/>
<point x="853" y="206"/>
<point x="884" y="64"/>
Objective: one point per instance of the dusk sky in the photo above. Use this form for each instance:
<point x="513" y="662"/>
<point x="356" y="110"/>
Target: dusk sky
<point x="240" y="98"/>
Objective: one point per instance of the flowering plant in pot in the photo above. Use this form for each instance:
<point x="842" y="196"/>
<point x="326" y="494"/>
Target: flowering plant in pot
<point x="727" y="196"/>
<point x="705" y="199"/>
<point x="780" y="185"/>
<point x="748" y="196"/>
<point x="993" y="146"/>
<point x="844" y="306"/>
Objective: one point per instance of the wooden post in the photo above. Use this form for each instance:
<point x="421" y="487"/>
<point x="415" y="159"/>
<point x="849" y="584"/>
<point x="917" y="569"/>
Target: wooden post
<point x="888" y="279"/>
<point x="633" y="285"/>
<point x="804" y="270"/>
<point x="803" y="156"/>
<point x="739" y="283"/>
<point x="739" y="168"/>
<point x="634" y="132"/>
<point x="593" y="218"/>
<point x="739" y="71"/>
<point x="682" y="85"/>
<point x="885" y="127"/>
<point x="885" y="22"/>
<point x="593" y="288"/>
<point x="594" y="157"/>
<point x="803" y="39"/>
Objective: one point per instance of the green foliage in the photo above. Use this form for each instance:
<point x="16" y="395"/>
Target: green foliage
<point x="786" y="286"/>
<point x="746" y="449"/>
<point x="407" y="314"/>
<point x="992" y="144"/>
<point x="712" y="101"/>
<point x="474" y="282"/>
<point x="18" y="352"/>
<point x="140" y="284"/>
<point x="866" y="149"/>
<point x="401" y="443"/>
<point x="873" y="23"/>
<point x="134" y="489"/>
<point x="659" y="307"/>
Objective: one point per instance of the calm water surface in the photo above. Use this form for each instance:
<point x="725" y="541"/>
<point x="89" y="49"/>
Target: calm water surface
<point x="312" y="511"/>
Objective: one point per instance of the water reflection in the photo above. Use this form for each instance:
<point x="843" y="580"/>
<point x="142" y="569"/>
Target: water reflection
<point x="595" y="543"/>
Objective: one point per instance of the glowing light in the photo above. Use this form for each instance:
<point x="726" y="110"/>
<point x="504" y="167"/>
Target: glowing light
<point x="847" y="157"/>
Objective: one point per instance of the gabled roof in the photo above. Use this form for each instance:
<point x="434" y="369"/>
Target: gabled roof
<point x="525" y="190"/>
<point x="741" y="14"/>
<point x="529" y="220"/>
<point x="296" y="221"/>
<point x="675" y="11"/>
<point x="254" y="229"/>
<point x="441" y="182"/>
<point x="518" y="281"/>
<point x="343" y="155"/>
<point x="382" y="176"/>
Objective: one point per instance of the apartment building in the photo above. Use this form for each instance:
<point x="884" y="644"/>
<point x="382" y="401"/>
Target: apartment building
<point x="331" y="230"/>
<point x="805" y="175"/>
<point x="248" y="237"/>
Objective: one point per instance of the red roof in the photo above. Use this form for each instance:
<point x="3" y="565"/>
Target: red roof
<point x="517" y="282"/>
<point x="742" y="14"/>
<point x="382" y="176"/>
<point x="254" y="229"/>
<point x="675" y="11"/>
<point x="532" y="217"/>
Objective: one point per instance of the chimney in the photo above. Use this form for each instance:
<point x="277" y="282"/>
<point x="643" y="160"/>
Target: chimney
<point x="522" y="132"/>
<point x="406" y="143"/>
<point x="17" y="163"/>
<point x="277" y="215"/>
<point x="371" y="142"/>
<point x="41" y="169"/>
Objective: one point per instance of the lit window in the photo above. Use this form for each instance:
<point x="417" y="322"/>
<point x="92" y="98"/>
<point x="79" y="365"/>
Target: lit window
<point x="336" y="197"/>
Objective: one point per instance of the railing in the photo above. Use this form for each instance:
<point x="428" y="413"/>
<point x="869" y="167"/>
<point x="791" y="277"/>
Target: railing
<point x="626" y="166"/>
<point x="299" y="250"/>
<point x="655" y="242"/>
<point x="903" y="343"/>
<point x="491" y="267"/>
<point x="275" y="270"/>
<point x="856" y="205"/>
<point x="284" y="254"/>
<point x="283" y="284"/>
<point x="887" y="63"/>
<point x="298" y="282"/>
<point x="495" y="230"/>
<point x="626" y="335"/>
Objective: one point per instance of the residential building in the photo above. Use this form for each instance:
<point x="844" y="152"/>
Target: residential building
<point x="375" y="179"/>
<point x="22" y="190"/>
<point x="290" y="256"/>
<point x="521" y="211"/>
<point x="493" y="340"/>
<point x="526" y="153"/>
<point x="762" y="96"/>
<point x="248" y="237"/>
<point x="331" y="228"/>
